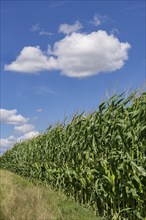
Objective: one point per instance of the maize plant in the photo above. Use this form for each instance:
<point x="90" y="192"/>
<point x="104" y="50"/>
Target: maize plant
<point x="99" y="158"/>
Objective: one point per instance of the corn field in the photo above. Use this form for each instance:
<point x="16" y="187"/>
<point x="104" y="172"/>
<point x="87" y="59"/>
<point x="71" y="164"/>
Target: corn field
<point x="98" y="158"/>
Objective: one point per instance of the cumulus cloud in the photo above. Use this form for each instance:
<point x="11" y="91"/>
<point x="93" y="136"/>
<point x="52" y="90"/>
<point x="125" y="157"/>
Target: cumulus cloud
<point x="24" y="128"/>
<point x="11" y="117"/>
<point x="76" y="55"/>
<point x="68" y="29"/>
<point x="81" y="55"/>
<point x="28" y="136"/>
<point x="31" y="60"/>
<point x="7" y="143"/>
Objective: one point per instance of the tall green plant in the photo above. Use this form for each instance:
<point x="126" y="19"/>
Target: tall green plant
<point x="99" y="159"/>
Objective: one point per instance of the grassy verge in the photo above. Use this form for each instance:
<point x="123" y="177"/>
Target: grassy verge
<point x="22" y="200"/>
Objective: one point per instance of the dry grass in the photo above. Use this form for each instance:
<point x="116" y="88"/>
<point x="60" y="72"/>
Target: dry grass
<point x="21" y="200"/>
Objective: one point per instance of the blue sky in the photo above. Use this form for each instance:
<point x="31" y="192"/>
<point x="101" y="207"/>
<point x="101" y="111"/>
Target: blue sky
<point x="59" y="57"/>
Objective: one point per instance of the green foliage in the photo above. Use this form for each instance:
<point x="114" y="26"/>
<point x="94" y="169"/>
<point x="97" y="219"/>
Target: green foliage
<point x="98" y="159"/>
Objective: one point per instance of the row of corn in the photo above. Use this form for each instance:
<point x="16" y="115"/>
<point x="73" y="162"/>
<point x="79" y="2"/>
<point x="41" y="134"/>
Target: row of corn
<point x="98" y="158"/>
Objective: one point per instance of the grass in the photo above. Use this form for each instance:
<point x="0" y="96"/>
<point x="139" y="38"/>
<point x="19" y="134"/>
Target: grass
<point x="22" y="200"/>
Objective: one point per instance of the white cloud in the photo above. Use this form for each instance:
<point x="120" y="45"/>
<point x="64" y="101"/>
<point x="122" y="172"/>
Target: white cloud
<point x="31" y="60"/>
<point x="76" y="55"/>
<point x="7" y="143"/>
<point x="11" y="117"/>
<point x="35" y="28"/>
<point x="81" y="55"/>
<point x="28" y="135"/>
<point x="45" y="33"/>
<point x="68" y="29"/>
<point x="39" y="110"/>
<point x="43" y="90"/>
<point x="115" y="31"/>
<point x="96" y="21"/>
<point x="24" y="128"/>
<point x="56" y="4"/>
<point x="99" y="19"/>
